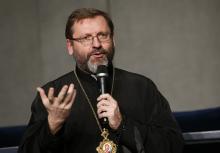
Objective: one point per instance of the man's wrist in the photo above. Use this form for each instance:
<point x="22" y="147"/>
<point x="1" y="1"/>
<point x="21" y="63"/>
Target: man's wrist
<point x="54" y="125"/>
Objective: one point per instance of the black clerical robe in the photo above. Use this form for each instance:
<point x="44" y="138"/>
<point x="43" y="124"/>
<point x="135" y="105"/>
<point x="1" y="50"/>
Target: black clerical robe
<point x="147" y="127"/>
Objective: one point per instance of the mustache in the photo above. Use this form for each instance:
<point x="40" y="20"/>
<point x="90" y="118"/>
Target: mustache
<point x="95" y="51"/>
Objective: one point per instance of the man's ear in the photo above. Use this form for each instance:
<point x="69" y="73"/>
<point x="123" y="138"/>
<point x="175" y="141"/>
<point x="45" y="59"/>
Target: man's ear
<point x="69" y="46"/>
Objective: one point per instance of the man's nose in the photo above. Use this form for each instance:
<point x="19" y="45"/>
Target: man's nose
<point x="96" y="42"/>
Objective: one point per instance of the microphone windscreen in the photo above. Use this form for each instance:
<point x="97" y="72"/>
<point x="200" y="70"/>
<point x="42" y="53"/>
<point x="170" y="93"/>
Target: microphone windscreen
<point x="102" y="71"/>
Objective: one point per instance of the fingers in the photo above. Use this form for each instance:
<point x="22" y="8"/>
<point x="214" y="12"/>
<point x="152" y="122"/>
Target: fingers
<point x="105" y="96"/>
<point x="103" y="103"/>
<point x="51" y="94"/>
<point x="105" y="99"/>
<point x="65" y="96"/>
<point x="70" y="96"/>
<point x="103" y="109"/>
<point x="62" y="93"/>
<point x="105" y="106"/>
<point x="43" y="96"/>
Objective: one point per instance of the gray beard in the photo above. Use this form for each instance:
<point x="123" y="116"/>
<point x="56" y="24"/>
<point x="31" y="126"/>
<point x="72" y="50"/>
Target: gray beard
<point x="93" y="67"/>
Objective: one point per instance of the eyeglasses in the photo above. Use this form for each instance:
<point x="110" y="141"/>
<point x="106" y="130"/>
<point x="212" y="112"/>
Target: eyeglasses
<point x="88" y="40"/>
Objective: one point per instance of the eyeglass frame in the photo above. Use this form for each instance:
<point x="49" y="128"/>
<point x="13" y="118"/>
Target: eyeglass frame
<point x="85" y="40"/>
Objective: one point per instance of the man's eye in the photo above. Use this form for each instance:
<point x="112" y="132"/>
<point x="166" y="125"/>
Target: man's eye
<point x="87" y="38"/>
<point x="102" y="35"/>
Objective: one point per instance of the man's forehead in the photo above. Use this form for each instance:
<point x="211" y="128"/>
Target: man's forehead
<point x="90" y="19"/>
<point x="90" y="24"/>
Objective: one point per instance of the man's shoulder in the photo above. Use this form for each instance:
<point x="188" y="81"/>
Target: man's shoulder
<point x="67" y="76"/>
<point x="64" y="79"/>
<point x="128" y="75"/>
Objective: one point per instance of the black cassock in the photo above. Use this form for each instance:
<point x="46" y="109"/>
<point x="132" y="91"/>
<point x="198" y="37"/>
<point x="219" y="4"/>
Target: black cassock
<point x="148" y="124"/>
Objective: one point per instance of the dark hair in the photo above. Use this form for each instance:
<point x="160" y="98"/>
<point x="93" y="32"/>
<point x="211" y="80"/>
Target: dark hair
<point x="84" y="13"/>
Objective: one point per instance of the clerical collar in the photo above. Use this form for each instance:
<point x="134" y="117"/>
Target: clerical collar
<point x="88" y="76"/>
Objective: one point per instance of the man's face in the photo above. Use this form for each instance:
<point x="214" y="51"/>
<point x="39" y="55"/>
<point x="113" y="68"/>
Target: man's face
<point x="89" y="56"/>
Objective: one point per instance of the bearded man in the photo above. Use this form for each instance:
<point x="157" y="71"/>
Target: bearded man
<point x="67" y="112"/>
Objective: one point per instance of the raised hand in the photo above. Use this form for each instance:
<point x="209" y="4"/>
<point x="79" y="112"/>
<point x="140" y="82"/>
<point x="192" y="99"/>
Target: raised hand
<point x="59" y="107"/>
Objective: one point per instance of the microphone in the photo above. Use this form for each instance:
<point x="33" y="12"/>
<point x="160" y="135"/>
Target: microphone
<point x="102" y="74"/>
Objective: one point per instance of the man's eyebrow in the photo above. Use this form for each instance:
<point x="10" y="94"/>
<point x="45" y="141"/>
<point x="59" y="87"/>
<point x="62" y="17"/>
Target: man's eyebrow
<point x="100" y="32"/>
<point x="86" y="34"/>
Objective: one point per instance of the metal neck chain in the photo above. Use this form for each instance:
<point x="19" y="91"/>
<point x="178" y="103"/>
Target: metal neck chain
<point x="89" y="101"/>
